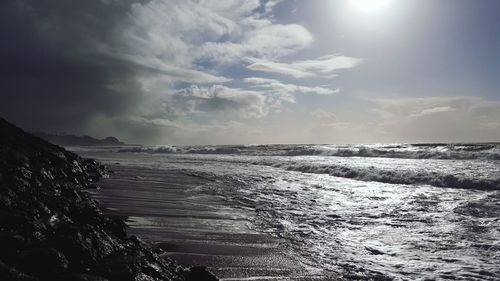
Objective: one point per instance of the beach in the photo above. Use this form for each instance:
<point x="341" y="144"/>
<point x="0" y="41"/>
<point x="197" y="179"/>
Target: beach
<point x="376" y="213"/>
<point x="170" y="209"/>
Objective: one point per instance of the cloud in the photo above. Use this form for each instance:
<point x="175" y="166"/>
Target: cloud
<point x="443" y="119"/>
<point x="324" y="117"/>
<point x="433" y="110"/>
<point x="431" y="119"/>
<point x="269" y="6"/>
<point x="116" y="67"/>
<point x="324" y="66"/>
<point x="65" y="63"/>
<point x="277" y="40"/>
<point x="272" y="85"/>
<point x="281" y="68"/>
<point x="260" y="40"/>
<point x="424" y="106"/>
<point x="223" y="101"/>
<point x="189" y="32"/>
<point x="494" y="125"/>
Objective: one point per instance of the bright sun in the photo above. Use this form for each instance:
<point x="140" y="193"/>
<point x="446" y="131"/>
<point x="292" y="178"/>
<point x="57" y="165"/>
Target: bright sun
<point x="368" y="6"/>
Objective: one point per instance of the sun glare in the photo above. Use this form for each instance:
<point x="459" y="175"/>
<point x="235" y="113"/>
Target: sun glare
<point x="368" y="6"/>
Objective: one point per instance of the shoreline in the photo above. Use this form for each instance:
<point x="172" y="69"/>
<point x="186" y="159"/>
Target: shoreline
<point x="349" y="229"/>
<point x="170" y="209"/>
<point x="51" y="228"/>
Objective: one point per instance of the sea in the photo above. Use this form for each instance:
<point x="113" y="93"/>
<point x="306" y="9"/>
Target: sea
<point x="390" y="211"/>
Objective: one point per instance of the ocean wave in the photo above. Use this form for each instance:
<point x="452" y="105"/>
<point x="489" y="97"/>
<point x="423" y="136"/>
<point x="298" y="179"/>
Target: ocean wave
<point x="406" y="177"/>
<point x="153" y="149"/>
<point x="401" y="151"/>
<point x="449" y="151"/>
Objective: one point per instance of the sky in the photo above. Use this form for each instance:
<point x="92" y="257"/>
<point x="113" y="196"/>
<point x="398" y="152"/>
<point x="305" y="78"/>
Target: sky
<point x="251" y="72"/>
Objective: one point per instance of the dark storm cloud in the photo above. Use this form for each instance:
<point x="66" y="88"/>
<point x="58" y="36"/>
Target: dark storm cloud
<point x="54" y="71"/>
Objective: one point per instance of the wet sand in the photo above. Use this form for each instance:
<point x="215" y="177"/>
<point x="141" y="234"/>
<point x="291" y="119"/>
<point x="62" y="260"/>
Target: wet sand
<point x="177" y="212"/>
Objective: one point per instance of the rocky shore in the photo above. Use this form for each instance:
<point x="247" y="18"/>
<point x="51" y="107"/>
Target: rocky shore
<point x="50" y="228"/>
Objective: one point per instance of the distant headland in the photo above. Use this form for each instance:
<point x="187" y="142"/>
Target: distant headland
<point x="74" y="140"/>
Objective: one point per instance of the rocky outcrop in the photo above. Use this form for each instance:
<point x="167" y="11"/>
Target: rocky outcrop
<point x="50" y="228"/>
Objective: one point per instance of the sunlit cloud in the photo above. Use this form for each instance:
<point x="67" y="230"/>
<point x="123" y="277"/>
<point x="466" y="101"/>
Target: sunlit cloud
<point x="275" y="85"/>
<point x="218" y="99"/>
<point x="433" y="110"/>
<point x="324" y="66"/>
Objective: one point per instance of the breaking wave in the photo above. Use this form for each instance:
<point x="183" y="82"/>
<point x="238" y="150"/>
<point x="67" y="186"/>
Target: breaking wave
<point x="153" y="149"/>
<point x="485" y="151"/>
<point x="406" y="177"/>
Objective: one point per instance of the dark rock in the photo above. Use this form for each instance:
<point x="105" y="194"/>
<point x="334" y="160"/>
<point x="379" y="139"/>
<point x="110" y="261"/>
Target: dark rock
<point x="44" y="262"/>
<point x="50" y="229"/>
<point x="84" y="277"/>
<point x="94" y="186"/>
<point x="77" y="247"/>
<point x="199" y="273"/>
<point x="10" y="243"/>
<point x="8" y="273"/>
<point x="120" y="266"/>
<point x="9" y="220"/>
<point x="116" y="226"/>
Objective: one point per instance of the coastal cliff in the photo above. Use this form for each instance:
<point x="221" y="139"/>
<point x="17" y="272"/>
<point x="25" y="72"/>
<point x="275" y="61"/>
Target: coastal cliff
<point x="50" y="228"/>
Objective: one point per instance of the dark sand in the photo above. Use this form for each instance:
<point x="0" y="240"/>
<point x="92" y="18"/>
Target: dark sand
<point x="176" y="211"/>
